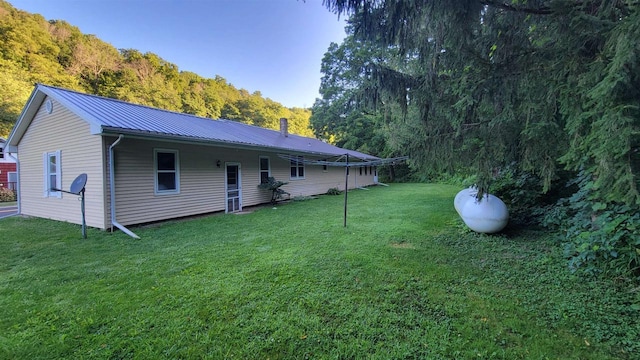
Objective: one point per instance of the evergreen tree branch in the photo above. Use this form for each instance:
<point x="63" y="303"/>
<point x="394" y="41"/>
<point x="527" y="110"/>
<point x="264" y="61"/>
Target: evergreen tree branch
<point x="544" y="10"/>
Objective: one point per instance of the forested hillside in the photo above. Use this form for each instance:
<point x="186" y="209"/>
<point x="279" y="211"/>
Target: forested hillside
<point x="35" y="50"/>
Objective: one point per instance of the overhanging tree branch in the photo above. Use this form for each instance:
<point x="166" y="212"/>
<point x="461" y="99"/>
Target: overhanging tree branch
<point x="544" y="10"/>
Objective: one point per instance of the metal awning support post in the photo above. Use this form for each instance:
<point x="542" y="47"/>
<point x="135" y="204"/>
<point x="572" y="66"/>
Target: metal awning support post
<point x="347" y="165"/>
<point x="346" y="189"/>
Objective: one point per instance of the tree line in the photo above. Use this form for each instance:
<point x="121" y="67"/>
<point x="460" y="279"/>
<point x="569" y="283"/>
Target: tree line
<point x="536" y="100"/>
<point x="34" y="50"/>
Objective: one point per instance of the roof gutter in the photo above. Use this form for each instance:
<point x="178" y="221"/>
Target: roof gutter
<point x="112" y="191"/>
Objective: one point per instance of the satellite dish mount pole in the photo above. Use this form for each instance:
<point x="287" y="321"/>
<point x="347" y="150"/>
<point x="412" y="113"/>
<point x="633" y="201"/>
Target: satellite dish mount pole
<point x="77" y="188"/>
<point x="84" y="224"/>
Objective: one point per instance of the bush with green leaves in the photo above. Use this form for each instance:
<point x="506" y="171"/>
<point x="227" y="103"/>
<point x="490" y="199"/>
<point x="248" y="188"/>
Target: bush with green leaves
<point x="600" y="236"/>
<point x="7" y="195"/>
<point x="520" y="191"/>
<point x="524" y="194"/>
<point x="334" y="191"/>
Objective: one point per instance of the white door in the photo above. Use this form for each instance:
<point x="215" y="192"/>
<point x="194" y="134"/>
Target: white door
<point x="375" y="174"/>
<point x="233" y="188"/>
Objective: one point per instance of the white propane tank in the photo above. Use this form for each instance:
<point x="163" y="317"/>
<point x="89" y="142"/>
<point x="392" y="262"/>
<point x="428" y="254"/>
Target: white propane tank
<point x="488" y="215"/>
<point x="463" y="196"/>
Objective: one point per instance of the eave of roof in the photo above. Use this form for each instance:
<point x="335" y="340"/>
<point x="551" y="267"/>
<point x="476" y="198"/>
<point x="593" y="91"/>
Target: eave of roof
<point x="226" y="144"/>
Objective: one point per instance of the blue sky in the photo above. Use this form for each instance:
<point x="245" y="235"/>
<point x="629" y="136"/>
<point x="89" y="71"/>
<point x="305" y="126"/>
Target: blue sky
<point x="271" y="46"/>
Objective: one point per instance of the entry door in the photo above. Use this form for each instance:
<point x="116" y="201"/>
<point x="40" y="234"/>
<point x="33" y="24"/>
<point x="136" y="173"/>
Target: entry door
<point x="234" y="189"/>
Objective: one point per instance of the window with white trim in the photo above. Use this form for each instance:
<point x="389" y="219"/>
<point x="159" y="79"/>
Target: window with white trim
<point x="265" y="169"/>
<point x="1" y="153"/>
<point x="297" y="167"/>
<point x="52" y="174"/>
<point x="12" y="180"/>
<point x="167" y="171"/>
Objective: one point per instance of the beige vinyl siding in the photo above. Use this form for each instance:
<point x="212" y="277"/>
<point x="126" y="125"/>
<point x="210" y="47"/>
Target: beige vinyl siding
<point x="316" y="180"/>
<point x="202" y="182"/>
<point x="363" y="179"/>
<point x="80" y="152"/>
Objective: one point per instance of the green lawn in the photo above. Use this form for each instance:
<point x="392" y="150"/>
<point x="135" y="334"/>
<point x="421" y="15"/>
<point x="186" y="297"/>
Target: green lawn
<point x="404" y="280"/>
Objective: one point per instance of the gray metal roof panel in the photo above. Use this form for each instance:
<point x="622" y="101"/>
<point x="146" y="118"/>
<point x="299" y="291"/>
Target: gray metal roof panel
<point x="117" y="114"/>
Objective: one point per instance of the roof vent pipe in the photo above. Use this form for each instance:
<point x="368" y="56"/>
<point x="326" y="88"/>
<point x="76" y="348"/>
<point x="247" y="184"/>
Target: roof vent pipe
<point x="284" y="127"/>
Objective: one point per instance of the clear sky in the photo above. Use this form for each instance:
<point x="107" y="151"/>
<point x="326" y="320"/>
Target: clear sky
<point x="271" y="46"/>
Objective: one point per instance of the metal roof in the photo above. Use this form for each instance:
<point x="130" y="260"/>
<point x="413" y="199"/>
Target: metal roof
<point x="111" y="116"/>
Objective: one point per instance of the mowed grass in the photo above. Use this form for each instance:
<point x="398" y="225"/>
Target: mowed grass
<point x="403" y="280"/>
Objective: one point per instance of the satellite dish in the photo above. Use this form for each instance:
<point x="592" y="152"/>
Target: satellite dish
<point x="78" y="184"/>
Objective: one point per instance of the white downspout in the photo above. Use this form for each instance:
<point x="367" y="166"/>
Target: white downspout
<point x="112" y="190"/>
<point x="18" y="182"/>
